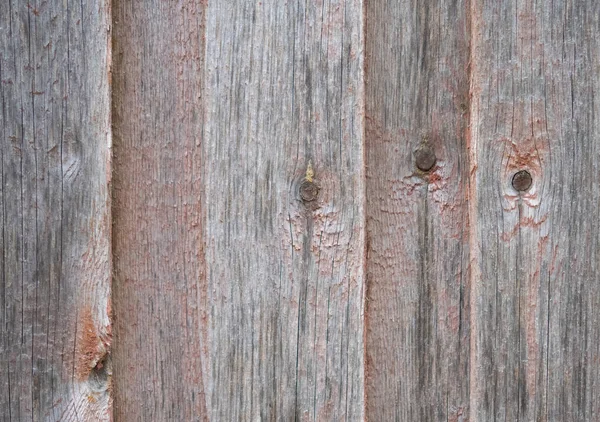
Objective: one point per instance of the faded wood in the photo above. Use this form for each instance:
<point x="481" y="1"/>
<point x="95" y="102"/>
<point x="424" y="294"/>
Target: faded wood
<point x="536" y="255"/>
<point x="54" y="208"/>
<point x="278" y="253"/>
<point x="159" y="292"/>
<point x="417" y="86"/>
<point x="273" y="329"/>
<point x="284" y="94"/>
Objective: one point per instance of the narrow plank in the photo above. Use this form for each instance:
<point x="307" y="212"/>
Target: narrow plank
<point x="284" y="92"/>
<point x="54" y="211"/>
<point x="417" y="87"/>
<point x="158" y="210"/>
<point x="536" y="346"/>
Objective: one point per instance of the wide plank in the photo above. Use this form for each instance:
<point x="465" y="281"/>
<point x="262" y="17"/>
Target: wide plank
<point x="536" y="252"/>
<point x="417" y="101"/>
<point x="158" y="208"/>
<point x="55" y="332"/>
<point x="285" y="283"/>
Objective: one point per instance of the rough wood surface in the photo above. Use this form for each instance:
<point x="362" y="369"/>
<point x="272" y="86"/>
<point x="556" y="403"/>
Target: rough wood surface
<point x="159" y="294"/>
<point x="258" y="208"/>
<point x="285" y="290"/>
<point x="536" y="255"/>
<point x="54" y="211"/>
<point x="417" y="259"/>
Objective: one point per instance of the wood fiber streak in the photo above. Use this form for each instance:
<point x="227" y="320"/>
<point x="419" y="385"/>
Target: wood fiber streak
<point x="536" y="353"/>
<point x="158" y="204"/>
<point x="417" y="324"/>
<point x="54" y="211"/>
<point x="284" y="92"/>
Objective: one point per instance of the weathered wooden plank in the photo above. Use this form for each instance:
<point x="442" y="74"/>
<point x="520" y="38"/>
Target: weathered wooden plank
<point x="284" y="92"/>
<point x="158" y="290"/>
<point x="536" y="326"/>
<point x="54" y="208"/>
<point x="416" y="94"/>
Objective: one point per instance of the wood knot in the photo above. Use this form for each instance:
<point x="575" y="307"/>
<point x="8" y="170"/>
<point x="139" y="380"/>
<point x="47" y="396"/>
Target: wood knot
<point x="308" y="191"/>
<point x="522" y="180"/>
<point x="99" y="376"/>
<point x="425" y="158"/>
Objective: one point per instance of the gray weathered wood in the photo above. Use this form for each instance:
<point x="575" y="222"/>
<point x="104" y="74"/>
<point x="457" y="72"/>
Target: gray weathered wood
<point x="240" y="296"/>
<point x="159" y="292"/>
<point x="54" y="211"/>
<point x="284" y="93"/>
<point x="273" y="328"/>
<point x="536" y="255"/>
<point x="417" y="86"/>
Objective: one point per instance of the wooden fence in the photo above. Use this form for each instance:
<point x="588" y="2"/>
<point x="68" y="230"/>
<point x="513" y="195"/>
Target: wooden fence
<point x="278" y="210"/>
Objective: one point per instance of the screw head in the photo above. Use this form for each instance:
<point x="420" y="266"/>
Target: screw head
<point x="522" y="180"/>
<point x="308" y="191"/>
<point x="425" y="158"/>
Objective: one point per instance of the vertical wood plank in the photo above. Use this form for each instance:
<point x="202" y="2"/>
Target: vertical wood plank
<point x="284" y="91"/>
<point x="54" y="210"/>
<point x="158" y="208"/>
<point x="536" y="253"/>
<point x="417" y="86"/>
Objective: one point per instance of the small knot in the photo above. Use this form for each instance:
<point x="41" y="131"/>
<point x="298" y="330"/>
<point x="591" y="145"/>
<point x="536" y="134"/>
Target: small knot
<point x="425" y="158"/>
<point x="308" y="191"/>
<point x="98" y="379"/>
<point x="522" y="180"/>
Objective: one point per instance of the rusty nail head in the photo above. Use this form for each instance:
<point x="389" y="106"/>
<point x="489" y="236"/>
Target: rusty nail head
<point x="425" y="158"/>
<point x="521" y="181"/>
<point x="308" y="191"/>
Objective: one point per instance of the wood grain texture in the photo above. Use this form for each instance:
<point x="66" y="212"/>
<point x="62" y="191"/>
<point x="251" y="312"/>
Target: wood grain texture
<point x="417" y="86"/>
<point x="54" y="211"/>
<point x="159" y="296"/>
<point x="264" y="172"/>
<point x="284" y="92"/>
<point x="536" y="255"/>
